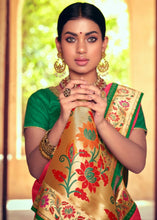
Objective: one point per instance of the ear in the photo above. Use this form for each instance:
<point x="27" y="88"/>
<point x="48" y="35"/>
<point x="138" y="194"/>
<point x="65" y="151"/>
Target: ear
<point x="105" y="43"/>
<point x="58" y="44"/>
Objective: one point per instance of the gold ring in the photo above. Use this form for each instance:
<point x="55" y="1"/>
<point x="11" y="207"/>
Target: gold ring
<point x="103" y="94"/>
<point x="67" y="92"/>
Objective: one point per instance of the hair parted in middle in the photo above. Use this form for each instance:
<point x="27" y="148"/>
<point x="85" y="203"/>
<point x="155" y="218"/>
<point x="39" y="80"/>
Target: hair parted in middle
<point x="81" y="10"/>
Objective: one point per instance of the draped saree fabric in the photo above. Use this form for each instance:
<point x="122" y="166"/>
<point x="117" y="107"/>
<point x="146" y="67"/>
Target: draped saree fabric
<point x="83" y="180"/>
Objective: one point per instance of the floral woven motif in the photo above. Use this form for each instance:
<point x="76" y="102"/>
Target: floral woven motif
<point x="122" y="108"/>
<point x="78" y="182"/>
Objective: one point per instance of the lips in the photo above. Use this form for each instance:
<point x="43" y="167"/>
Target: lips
<point x="81" y="61"/>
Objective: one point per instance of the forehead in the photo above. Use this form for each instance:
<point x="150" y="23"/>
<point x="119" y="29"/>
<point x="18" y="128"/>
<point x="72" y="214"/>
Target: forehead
<point x="81" y="25"/>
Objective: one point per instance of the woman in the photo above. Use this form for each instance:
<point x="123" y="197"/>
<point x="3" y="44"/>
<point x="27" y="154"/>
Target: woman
<point x="83" y="135"/>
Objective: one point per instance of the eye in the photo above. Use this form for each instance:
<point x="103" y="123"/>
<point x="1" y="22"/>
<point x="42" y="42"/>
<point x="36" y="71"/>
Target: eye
<point x="92" y="39"/>
<point x="70" y="39"/>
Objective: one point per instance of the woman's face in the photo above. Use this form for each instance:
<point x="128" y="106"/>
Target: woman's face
<point x="81" y="45"/>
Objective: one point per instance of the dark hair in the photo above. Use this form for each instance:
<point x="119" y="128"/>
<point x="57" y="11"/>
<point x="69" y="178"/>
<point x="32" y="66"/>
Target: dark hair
<point x="81" y="10"/>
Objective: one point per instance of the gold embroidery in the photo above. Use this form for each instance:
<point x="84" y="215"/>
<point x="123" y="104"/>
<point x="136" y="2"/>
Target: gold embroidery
<point x="122" y="108"/>
<point x="79" y="177"/>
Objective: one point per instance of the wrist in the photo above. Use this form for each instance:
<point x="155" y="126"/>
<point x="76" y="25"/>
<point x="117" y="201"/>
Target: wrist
<point x="102" y="125"/>
<point x="56" y="131"/>
<point x="62" y="121"/>
<point x="45" y="148"/>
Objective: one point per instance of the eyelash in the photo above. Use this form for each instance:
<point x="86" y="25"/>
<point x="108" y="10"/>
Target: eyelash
<point x="92" y="39"/>
<point x="72" y="39"/>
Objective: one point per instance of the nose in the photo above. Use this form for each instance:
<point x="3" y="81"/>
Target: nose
<point x="81" y="46"/>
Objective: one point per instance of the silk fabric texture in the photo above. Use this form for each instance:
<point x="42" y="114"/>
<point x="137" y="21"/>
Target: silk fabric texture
<point x="84" y="180"/>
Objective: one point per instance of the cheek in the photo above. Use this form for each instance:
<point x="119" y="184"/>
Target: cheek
<point x="67" y="58"/>
<point x="97" y="55"/>
<point x="67" y="53"/>
<point x="96" y="50"/>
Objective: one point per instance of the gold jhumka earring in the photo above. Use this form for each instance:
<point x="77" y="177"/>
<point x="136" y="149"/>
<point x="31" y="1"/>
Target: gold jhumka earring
<point x="102" y="66"/>
<point x="59" y="65"/>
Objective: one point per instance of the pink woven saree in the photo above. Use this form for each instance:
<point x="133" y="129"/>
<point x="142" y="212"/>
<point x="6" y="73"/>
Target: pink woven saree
<point x="83" y="179"/>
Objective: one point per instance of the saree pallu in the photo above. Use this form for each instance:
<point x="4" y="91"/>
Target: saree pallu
<point x="83" y="179"/>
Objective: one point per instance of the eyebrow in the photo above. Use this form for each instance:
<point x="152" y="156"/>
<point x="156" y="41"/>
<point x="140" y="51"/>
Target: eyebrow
<point x="91" y="32"/>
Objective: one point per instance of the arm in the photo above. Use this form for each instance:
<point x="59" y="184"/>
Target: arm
<point x="33" y="135"/>
<point x="131" y="152"/>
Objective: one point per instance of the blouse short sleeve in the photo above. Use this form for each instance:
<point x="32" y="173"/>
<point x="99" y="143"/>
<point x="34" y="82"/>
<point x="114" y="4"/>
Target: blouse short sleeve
<point x="140" y="123"/>
<point x="42" y="110"/>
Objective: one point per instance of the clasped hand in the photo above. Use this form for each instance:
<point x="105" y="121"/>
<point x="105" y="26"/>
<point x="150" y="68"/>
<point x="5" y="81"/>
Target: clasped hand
<point x="85" y="95"/>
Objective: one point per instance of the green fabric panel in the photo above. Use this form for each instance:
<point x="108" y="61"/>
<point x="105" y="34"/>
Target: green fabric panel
<point x="117" y="172"/>
<point x="38" y="217"/>
<point x="119" y="165"/>
<point x="110" y="96"/>
<point x="33" y="209"/>
<point x="130" y="214"/>
<point x="43" y="109"/>
<point x="140" y="123"/>
<point x="133" y="117"/>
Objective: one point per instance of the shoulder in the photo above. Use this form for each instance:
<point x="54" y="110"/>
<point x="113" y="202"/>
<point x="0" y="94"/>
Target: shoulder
<point x="42" y="95"/>
<point x="123" y="93"/>
<point x="41" y="92"/>
<point x="121" y="88"/>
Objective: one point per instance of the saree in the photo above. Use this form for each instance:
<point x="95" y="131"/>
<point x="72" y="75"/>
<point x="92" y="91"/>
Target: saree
<point x="84" y="180"/>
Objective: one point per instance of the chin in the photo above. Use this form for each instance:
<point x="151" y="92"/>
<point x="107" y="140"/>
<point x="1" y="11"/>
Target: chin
<point x="82" y="71"/>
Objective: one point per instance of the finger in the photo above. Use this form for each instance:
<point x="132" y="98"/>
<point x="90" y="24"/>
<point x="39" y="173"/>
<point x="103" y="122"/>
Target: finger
<point x="93" y="88"/>
<point x="90" y="105"/>
<point x="79" y="90"/>
<point x="98" y="99"/>
<point x="72" y="84"/>
<point x="78" y="103"/>
<point x="77" y="97"/>
<point x="75" y="93"/>
<point x="75" y="83"/>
